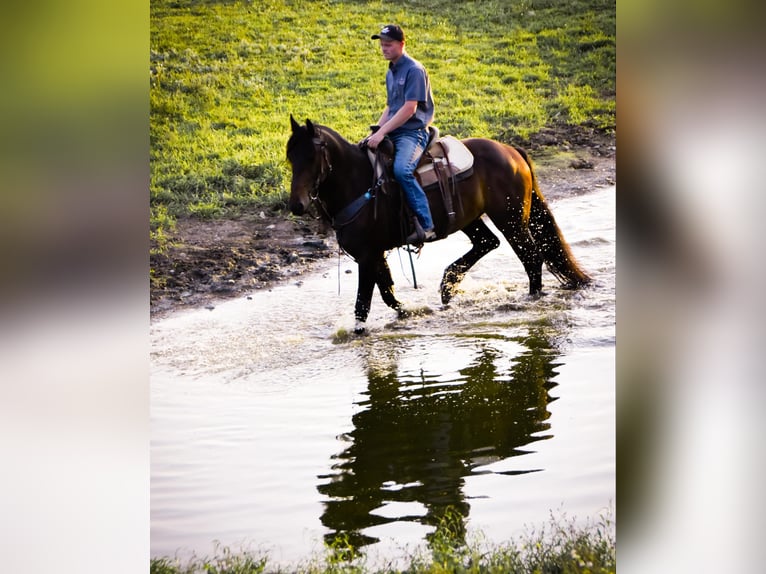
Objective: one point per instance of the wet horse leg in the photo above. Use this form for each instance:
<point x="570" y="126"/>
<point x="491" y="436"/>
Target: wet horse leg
<point x="374" y="271"/>
<point x="386" y="286"/>
<point x="364" y="290"/>
<point x="483" y="241"/>
<point x="528" y="252"/>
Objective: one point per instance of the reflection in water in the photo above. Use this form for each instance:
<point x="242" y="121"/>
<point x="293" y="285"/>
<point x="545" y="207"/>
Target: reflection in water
<point x="419" y="434"/>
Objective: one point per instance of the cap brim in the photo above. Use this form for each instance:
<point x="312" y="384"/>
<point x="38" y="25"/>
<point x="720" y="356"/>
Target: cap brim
<point x="383" y="37"/>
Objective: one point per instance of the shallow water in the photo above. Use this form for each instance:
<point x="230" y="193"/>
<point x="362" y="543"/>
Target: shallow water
<point x="272" y="430"/>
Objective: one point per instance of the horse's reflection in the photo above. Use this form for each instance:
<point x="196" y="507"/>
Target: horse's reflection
<point x="415" y="441"/>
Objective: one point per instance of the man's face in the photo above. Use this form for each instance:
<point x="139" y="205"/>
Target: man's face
<point x="391" y="49"/>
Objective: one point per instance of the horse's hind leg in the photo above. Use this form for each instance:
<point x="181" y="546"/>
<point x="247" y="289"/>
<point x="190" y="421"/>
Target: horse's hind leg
<point x="527" y="251"/>
<point x="483" y="241"/>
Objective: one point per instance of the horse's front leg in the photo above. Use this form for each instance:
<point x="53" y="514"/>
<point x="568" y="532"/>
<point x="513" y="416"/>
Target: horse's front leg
<point x="386" y="286"/>
<point x="367" y="276"/>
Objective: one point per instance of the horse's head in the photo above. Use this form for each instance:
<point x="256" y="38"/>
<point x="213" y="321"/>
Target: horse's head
<point x="307" y="153"/>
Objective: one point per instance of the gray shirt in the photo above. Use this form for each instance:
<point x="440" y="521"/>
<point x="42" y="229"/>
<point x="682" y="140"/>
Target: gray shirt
<point x="407" y="80"/>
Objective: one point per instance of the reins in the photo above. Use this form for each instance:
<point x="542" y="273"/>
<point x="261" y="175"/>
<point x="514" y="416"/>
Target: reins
<point x="350" y="212"/>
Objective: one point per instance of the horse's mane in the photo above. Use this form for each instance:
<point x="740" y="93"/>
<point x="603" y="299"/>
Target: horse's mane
<point x="335" y="137"/>
<point x="329" y="135"/>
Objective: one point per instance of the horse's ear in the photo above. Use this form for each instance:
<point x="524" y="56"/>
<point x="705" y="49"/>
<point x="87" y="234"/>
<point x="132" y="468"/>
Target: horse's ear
<point x="293" y="124"/>
<point x="310" y="126"/>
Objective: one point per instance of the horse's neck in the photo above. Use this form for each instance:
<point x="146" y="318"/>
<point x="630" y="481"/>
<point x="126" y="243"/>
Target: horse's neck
<point x="351" y="174"/>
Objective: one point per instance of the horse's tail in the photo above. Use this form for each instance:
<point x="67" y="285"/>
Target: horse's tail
<point x="546" y="233"/>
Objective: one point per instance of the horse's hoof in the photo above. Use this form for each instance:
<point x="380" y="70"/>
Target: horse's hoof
<point x="360" y="328"/>
<point x="403" y="313"/>
<point x="448" y="294"/>
<point x="448" y="291"/>
<point x="574" y="285"/>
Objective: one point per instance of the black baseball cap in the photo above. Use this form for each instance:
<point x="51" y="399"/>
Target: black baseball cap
<point x="390" y="32"/>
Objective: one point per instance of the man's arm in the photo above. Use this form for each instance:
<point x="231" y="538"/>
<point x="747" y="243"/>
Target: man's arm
<point x="402" y="115"/>
<point x="383" y="117"/>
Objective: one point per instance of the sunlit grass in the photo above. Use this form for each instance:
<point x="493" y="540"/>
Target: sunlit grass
<point x="225" y="77"/>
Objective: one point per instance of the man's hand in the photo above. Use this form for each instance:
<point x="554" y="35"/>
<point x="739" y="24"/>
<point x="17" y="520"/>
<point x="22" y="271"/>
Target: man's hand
<point x="399" y="118"/>
<point x="373" y="140"/>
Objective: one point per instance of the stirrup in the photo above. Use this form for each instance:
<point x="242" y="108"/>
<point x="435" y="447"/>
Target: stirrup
<point x="418" y="237"/>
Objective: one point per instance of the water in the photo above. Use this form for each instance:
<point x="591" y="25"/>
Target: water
<point x="272" y="431"/>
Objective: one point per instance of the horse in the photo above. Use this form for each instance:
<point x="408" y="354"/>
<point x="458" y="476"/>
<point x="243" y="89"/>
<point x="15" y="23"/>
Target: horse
<point x="337" y="176"/>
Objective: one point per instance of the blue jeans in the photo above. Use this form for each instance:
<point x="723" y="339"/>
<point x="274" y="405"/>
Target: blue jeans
<point x="410" y="145"/>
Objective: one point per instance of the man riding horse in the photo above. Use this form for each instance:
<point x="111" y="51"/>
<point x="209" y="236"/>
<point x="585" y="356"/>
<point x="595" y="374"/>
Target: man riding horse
<point x="408" y="113"/>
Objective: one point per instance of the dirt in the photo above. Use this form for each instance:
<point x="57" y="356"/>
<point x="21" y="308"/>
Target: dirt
<point x="211" y="260"/>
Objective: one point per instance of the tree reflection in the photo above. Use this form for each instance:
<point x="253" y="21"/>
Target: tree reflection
<point x="416" y="441"/>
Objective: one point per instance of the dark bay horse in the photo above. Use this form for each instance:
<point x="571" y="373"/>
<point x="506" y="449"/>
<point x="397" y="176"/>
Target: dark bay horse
<point x="338" y="176"/>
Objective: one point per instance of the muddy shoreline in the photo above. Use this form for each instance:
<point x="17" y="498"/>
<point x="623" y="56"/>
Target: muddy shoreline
<point x="213" y="260"/>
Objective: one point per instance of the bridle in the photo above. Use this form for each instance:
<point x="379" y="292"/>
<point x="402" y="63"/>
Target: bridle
<point x="325" y="167"/>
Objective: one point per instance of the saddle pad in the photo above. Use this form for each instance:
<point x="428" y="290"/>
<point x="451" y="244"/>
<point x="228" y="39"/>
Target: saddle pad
<point x="460" y="160"/>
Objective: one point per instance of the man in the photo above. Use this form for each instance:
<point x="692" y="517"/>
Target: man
<point x="405" y="120"/>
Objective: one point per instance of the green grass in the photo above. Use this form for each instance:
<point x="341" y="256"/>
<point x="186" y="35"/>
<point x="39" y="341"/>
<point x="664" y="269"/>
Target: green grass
<point x="560" y="546"/>
<point x="226" y="75"/>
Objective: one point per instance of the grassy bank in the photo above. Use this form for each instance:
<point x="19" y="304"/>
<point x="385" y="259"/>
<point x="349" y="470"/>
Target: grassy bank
<point x="560" y="547"/>
<point x="226" y="75"/>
